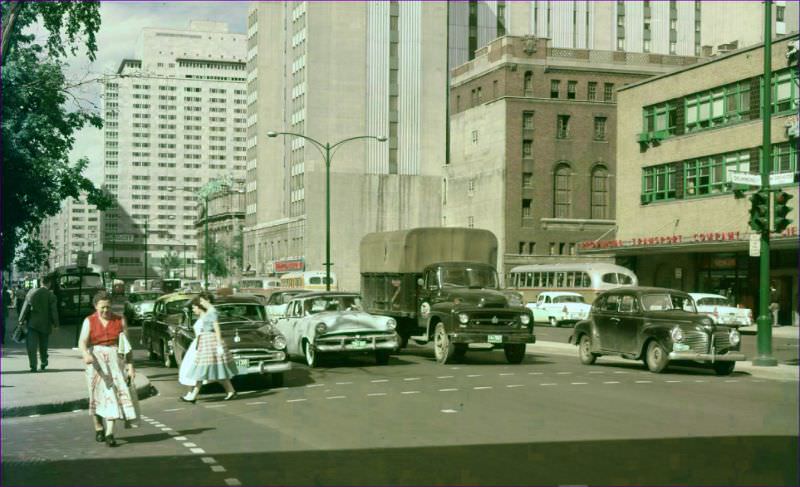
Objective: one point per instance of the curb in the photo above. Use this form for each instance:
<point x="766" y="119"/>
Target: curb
<point x="143" y="391"/>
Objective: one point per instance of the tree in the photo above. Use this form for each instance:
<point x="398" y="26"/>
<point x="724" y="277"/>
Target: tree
<point x="217" y="258"/>
<point x="171" y="260"/>
<point x="33" y="258"/>
<point x="40" y="117"/>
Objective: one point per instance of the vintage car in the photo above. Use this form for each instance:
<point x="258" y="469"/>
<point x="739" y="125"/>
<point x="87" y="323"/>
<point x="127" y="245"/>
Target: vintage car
<point x="277" y="302"/>
<point x="139" y="307"/>
<point x="157" y="331"/>
<point x="658" y="326"/>
<point x="257" y="347"/>
<point x="721" y="311"/>
<point x="559" y="308"/>
<point x="334" y="322"/>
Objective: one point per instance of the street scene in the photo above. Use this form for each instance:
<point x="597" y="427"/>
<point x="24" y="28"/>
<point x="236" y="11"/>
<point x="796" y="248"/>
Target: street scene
<point x="400" y="243"/>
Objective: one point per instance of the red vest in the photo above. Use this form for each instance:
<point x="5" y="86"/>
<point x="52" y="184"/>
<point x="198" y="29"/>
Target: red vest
<point x="108" y="335"/>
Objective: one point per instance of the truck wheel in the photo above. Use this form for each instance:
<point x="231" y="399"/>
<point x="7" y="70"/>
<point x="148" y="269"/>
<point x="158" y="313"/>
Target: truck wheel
<point x="656" y="358"/>
<point x="585" y="351"/>
<point x="442" y="347"/>
<point x="724" y="368"/>
<point x="382" y="357"/>
<point x="166" y="357"/>
<point x="311" y="355"/>
<point x="515" y="352"/>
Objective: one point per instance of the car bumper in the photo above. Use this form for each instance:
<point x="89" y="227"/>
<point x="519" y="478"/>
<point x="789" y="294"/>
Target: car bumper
<point x="265" y="368"/>
<point x="360" y="344"/>
<point x="708" y="357"/>
<point x="495" y="338"/>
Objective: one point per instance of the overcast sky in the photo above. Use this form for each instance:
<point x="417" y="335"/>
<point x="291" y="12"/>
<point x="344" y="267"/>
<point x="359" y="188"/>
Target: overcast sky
<point x="122" y="22"/>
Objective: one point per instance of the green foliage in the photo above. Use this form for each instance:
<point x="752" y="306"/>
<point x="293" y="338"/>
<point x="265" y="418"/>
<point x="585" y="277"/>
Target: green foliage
<point x="217" y="259"/>
<point x="34" y="254"/>
<point x="170" y="261"/>
<point x="37" y="126"/>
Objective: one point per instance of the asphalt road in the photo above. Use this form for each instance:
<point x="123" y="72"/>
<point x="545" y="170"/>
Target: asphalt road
<point x="549" y="420"/>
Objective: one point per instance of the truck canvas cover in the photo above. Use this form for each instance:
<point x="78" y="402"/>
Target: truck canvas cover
<point x="409" y="251"/>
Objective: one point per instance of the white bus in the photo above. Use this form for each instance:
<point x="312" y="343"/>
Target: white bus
<point x="314" y="280"/>
<point x="587" y="279"/>
<point x="258" y="283"/>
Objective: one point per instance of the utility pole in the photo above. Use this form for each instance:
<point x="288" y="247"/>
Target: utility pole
<point x="145" y="254"/>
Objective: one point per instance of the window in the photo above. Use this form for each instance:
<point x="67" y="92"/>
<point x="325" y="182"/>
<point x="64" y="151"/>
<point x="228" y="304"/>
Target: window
<point x="658" y="182"/>
<point x="599" y="128"/>
<point x="785" y="91"/>
<point x="591" y="91"/>
<point x="709" y="175"/>
<point x="608" y="92"/>
<point x="660" y="120"/>
<point x="600" y="192"/>
<point x="720" y="106"/>
<point x="479" y="95"/>
<point x="527" y="180"/>
<point x="784" y="158"/>
<point x="527" y="120"/>
<point x="526" y="208"/>
<point x="554" y="88"/>
<point x="562" y="196"/>
<point x="571" y="87"/>
<point x="527" y="148"/>
<point x="528" y="83"/>
<point x="562" y="127"/>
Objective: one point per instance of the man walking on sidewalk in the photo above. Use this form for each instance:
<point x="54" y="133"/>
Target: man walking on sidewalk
<point x="40" y="314"/>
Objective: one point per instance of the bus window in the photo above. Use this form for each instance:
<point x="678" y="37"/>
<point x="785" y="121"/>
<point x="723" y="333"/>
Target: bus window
<point x="610" y="278"/>
<point x="585" y="280"/>
<point x="624" y="279"/>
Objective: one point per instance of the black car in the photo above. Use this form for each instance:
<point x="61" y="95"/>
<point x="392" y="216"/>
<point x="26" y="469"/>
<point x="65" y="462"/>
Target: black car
<point x="139" y="307"/>
<point x="157" y="331"/>
<point x="257" y="347"/>
<point x="658" y="326"/>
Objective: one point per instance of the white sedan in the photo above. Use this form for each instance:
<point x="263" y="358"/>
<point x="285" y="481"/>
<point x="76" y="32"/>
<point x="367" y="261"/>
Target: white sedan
<point x="333" y="322"/>
<point x="720" y="309"/>
<point x="559" y="307"/>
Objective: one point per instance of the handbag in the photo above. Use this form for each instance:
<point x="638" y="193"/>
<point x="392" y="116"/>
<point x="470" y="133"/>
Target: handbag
<point x="20" y="333"/>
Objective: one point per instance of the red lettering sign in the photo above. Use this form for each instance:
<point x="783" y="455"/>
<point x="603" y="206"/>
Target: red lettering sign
<point x="289" y="265"/>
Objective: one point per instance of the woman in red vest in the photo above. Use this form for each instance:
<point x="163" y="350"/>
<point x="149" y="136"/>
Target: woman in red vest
<point x="106" y="351"/>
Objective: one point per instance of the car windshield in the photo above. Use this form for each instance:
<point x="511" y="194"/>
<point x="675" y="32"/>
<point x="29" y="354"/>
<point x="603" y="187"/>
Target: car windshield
<point x="568" y="299"/>
<point x="713" y="301"/>
<point x="240" y="312"/>
<point x="280" y="298"/>
<point x="472" y="277"/>
<point x="331" y="303"/>
<point x="175" y="306"/>
<point x="667" y="302"/>
<point x="75" y="281"/>
<point x="135" y="298"/>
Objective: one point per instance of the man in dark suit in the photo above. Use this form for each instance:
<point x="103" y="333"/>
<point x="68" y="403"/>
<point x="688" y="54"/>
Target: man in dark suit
<point x="40" y="314"/>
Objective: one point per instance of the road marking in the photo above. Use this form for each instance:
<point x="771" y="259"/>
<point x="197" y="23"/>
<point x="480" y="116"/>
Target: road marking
<point x="172" y="433"/>
<point x="158" y="425"/>
<point x="548" y="384"/>
<point x="700" y="380"/>
<point x="34" y="415"/>
<point x="620" y="372"/>
<point x="218" y="468"/>
<point x="515" y="385"/>
<point x="535" y="373"/>
<point x="445" y="377"/>
<point x="172" y="410"/>
<point x="208" y="460"/>
<point x="376" y="394"/>
<point x="232" y="481"/>
<point x="610" y="382"/>
<point x="480" y="388"/>
<point x="507" y="373"/>
<point x="314" y="385"/>
<point x="254" y="403"/>
<point x="336" y="397"/>
<point x="215" y="406"/>
<point x="671" y="381"/>
<point x="578" y="383"/>
<point x="379" y="380"/>
<point x="447" y="390"/>
<point x="180" y="438"/>
<point x="732" y="380"/>
<point x="189" y="445"/>
<point x="296" y="400"/>
<point x="343" y="383"/>
<point x="410" y="392"/>
<point x="449" y="411"/>
<point x="474" y="375"/>
<point x="166" y="428"/>
<point x="597" y="372"/>
<point x="280" y="389"/>
<point x="563" y="373"/>
<point x="76" y="410"/>
<point x="411" y="378"/>
<point x="644" y="382"/>
<point x="197" y="450"/>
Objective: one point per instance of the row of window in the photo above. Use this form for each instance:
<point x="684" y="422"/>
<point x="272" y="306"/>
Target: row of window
<point x="563" y="190"/>
<point x="555" y="248"/>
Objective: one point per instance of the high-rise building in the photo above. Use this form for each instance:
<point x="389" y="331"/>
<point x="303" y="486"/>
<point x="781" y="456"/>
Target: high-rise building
<point x="175" y="117"/>
<point x="331" y="71"/>
<point x="74" y="229"/>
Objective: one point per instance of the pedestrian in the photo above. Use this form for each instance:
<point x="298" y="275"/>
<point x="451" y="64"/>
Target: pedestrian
<point x="210" y="361"/>
<point x="107" y="353"/>
<point x="774" y="306"/>
<point x="6" y="303"/>
<point x="39" y="314"/>
<point x="19" y="296"/>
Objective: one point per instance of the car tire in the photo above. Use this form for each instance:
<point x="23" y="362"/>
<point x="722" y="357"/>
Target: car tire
<point x="515" y="352"/>
<point x="167" y="358"/>
<point x="656" y="357"/>
<point x="312" y="360"/>
<point x="276" y="380"/>
<point x="443" y="348"/>
<point x="585" y="353"/>
<point x="382" y="357"/>
<point x="724" y="368"/>
<point x="553" y="322"/>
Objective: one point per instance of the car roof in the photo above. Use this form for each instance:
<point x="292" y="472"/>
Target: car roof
<point x="317" y="294"/>
<point x="706" y="295"/>
<point x="642" y="290"/>
<point x="176" y="296"/>
<point x="559" y="293"/>
<point x="238" y="298"/>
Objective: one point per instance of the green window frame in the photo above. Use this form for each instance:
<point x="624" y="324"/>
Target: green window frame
<point x="784" y="159"/>
<point x="659" y="120"/>
<point x="784" y="91"/>
<point x="658" y="182"/>
<point x="710" y="175"/>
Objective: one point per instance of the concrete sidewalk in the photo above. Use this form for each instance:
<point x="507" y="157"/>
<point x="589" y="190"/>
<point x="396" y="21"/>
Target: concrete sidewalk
<point x="777" y="331"/>
<point x="62" y="387"/>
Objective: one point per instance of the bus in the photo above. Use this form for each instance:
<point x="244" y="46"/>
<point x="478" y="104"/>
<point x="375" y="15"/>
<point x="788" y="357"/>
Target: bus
<point x="74" y="288"/>
<point x="247" y="284"/>
<point x="586" y="279"/>
<point x="314" y="280"/>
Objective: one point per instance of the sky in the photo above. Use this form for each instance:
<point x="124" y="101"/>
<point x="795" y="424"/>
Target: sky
<point x="121" y="23"/>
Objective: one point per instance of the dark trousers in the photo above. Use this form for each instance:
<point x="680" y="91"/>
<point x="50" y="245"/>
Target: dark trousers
<point x="37" y="340"/>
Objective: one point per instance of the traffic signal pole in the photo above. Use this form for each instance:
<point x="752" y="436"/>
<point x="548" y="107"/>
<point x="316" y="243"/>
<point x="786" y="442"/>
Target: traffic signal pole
<point x="764" y="320"/>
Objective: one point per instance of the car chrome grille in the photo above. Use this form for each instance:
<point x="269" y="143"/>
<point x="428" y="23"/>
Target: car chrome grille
<point x="722" y="340"/>
<point x="697" y="341"/>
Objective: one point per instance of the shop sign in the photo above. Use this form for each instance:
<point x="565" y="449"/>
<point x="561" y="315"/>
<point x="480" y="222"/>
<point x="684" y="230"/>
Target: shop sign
<point x="668" y="240"/>
<point x="289" y="265"/>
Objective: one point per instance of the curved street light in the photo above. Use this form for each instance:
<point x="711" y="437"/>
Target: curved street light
<point x="325" y="150"/>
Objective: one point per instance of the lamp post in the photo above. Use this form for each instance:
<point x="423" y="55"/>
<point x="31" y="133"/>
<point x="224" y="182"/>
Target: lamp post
<point x="325" y="149"/>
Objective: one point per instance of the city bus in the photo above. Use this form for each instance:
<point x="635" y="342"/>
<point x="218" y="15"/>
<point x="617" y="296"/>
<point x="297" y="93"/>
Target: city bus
<point x="586" y="279"/>
<point x="74" y="288"/>
<point x="314" y="280"/>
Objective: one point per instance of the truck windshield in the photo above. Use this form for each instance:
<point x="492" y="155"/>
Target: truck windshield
<point x="70" y="281"/>
<point x="472" y="277"/>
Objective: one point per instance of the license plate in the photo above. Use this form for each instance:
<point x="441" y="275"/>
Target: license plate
<point x="680" y="347"/>
<point x="495" y="338"/>
<point x="359" y="343"/>
<point x="242" y="363"/>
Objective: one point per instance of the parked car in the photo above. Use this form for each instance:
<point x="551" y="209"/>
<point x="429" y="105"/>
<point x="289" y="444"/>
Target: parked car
<point x="157" y="331"/>
<point x="277" y="302"/>
<point x="139" y="307"/>
<point x="257" y="347"/>
<point x="720" y="310"/>
<point x="559" y="308"/>
<point x="658" y="326"/>
<point x="334" y="322"/>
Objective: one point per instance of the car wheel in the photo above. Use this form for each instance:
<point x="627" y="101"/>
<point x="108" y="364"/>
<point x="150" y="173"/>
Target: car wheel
<point x="515" y="352"/>
<point x="442" y="347"/>
<point x="656" y="358"/>
<point x="585" y="351"/>
<point x="553" y="322"/>
<point x="276" y="380"/>
<point x="166" y="357"/>
<point x="724" y="368"/>
<point x="382" y="357"/>
<point x="310" y="354"/>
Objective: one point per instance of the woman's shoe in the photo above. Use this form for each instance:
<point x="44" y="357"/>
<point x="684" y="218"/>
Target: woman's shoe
<point x="110" y="441"/>
<point x="99" y="436"/>
<point x="184" y="399"/>
<point x="229" y="396"/>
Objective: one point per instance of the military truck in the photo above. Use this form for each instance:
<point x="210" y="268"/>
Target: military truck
<point x="441" y="285"/>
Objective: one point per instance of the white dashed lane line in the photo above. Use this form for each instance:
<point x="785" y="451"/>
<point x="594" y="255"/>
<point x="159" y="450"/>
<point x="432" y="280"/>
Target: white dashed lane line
<point x="610" y="382"/>
<point x="336" y="397"/>
<point x="255" y="403"/>
<point x="297" y="400"/>
<point x="218" y="468"/>
<point x="309" y="386"/>
<point x="411" y="378"/>
<point x="644" y="382"/>
<point x="376" y="394"/>
<point x="474" y="375"/>
<point x="376" y="381"/>
<point x="579" y="383"/>
<point x="343" y="383"/>
<point x="548" y="384"/>
<point x="410" y="392"/>
<point x="232" y="481"/>
<point x="445" y="377"/>
<point x="448" y="390"/>
<point x="507" y="373"/>
<point x="515" y="385"/>
<point x="481" y="388"/>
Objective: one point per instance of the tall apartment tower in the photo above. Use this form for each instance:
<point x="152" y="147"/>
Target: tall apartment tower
<point x="74" y="229"/>
<point x="332" y="71"/>
<point x="175" y="117"/>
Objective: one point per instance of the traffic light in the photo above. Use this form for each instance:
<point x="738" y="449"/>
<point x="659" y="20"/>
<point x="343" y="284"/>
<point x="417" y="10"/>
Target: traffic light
<point x="759" y="212"/>
<point x="782" y="210"/>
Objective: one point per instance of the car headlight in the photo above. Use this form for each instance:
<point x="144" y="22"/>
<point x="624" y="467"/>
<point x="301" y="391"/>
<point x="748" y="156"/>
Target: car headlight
<point x="735" y="337"/>
<point x="279" y="342"/>
<point x="321" y="328"/>
<point x="391" y="324"/>
<point x="525" y="319"/>
<point x="463" y="317"/>
<point x="677" y="334"/>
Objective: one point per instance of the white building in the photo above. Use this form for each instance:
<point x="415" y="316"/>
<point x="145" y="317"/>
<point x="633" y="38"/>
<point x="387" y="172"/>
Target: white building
<point x="74" y="229"/>
<point x="333" y="71"/>
<point x="175" y="118"/>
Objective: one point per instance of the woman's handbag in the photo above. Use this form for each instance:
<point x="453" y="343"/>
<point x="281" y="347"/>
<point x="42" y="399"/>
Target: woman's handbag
<point x="20" y="333"/>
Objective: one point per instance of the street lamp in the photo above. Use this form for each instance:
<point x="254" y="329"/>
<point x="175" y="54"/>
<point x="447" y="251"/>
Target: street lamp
<point x="325" y="150"/>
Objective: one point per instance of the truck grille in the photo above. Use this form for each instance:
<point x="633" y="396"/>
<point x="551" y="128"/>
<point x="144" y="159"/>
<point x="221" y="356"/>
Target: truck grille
<point x="494" y="319"/>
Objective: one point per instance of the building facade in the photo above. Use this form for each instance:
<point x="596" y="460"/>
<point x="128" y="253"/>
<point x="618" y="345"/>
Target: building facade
<point x="680" y="139"/>
<point x="76" y="228"/>
<point x="222" y="222"/>
<point x="533" y="145"/>
<point x="331" y="72"/>
<point x="175" y="118"/>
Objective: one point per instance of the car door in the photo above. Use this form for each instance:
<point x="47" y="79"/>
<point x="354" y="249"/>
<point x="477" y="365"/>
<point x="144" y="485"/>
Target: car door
<point x="184" y="334"/>
<point x="606" y="321"/>
<point x="285" y="325"/>
<point x="630" y="325"/>
<point x="538" y="309"/>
